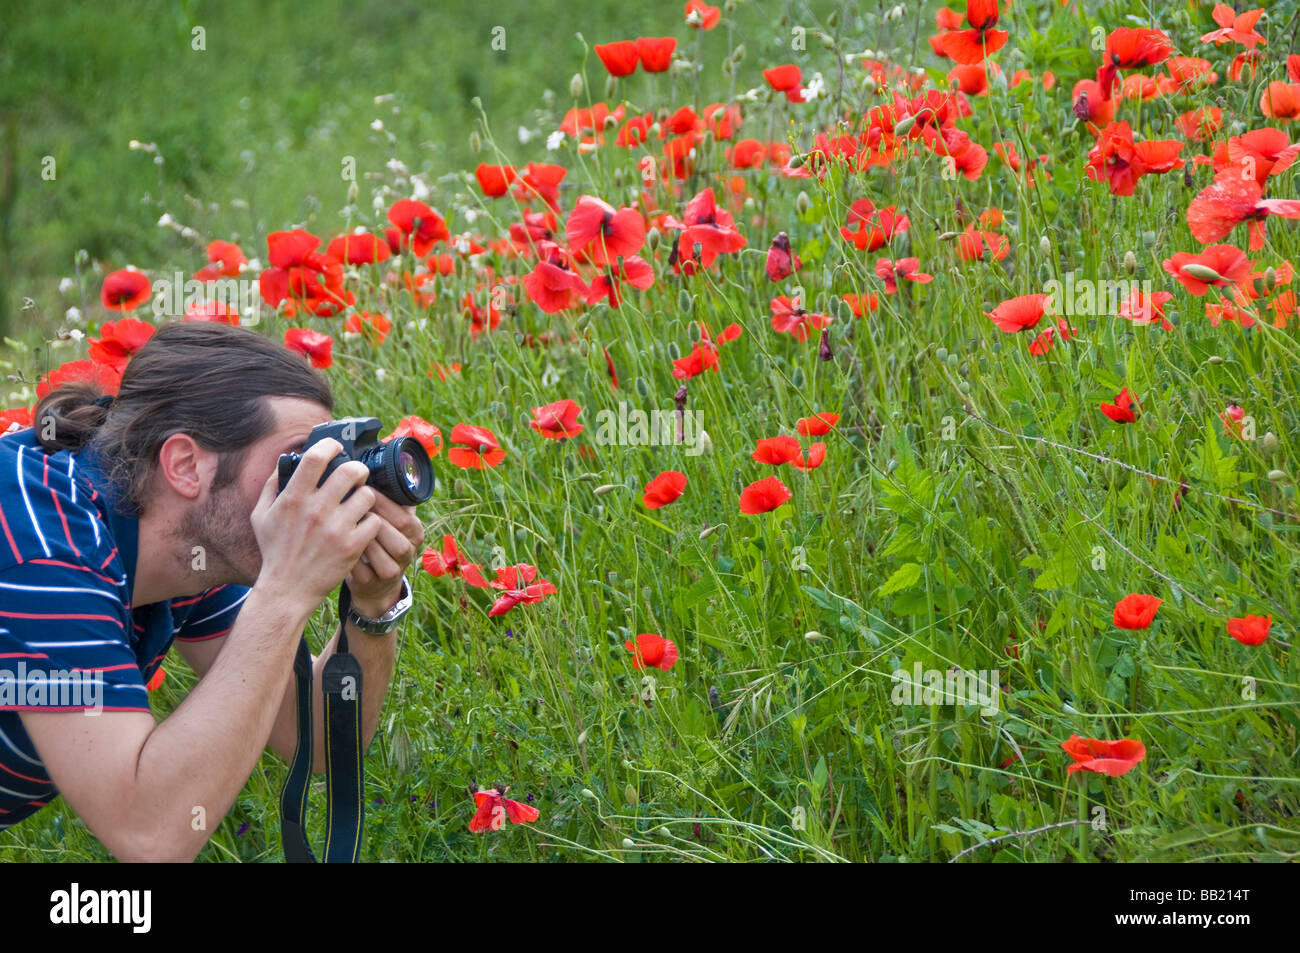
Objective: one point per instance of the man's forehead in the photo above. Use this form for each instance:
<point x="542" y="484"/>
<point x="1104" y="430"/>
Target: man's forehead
<point x="296" y="417"/>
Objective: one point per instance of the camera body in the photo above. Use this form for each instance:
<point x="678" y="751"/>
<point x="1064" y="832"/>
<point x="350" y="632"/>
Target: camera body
<point x="399" y="468"/>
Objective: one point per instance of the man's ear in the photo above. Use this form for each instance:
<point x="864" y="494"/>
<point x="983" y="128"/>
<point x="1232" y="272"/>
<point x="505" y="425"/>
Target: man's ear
<point x="185" y="466"/>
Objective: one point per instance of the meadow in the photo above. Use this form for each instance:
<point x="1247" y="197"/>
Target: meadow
<point x="980" y="540"/>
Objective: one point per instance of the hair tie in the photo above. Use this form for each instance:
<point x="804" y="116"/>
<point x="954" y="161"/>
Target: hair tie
<point x="105" y="401"/>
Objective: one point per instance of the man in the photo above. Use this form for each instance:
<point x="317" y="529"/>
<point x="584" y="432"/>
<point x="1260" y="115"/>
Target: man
<point x="130" y="522"/>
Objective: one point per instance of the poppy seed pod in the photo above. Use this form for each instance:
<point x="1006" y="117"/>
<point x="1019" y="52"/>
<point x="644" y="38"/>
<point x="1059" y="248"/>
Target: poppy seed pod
<point x="685" y="302"/>
<point x="642" y="387"/>
<point x="576" y="86"/>
<point x="674" y="351"/>
<point x="704" y="442"/>
<point x="797" y="378"/>
<point x="1148" y="238"/>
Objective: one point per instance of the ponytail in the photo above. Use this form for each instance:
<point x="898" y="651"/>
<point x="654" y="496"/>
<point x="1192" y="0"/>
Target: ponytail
<point x="68" y="417"/>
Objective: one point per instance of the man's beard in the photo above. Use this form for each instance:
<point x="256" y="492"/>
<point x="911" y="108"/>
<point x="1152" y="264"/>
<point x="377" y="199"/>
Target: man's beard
<point x="222" y="526"/>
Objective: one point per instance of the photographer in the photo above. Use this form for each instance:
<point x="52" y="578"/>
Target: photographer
<point x="128" y="523"/>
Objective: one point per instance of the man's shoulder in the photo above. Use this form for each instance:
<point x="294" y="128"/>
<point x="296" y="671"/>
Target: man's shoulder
<point x="47" y="506"/>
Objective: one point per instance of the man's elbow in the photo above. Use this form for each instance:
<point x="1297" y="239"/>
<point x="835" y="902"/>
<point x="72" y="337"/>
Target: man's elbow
<point x="156" y="847"/>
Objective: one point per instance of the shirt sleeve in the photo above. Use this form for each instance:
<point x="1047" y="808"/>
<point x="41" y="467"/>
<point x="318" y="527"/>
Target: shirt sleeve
<point x="210" y="614"/>
<point x="65" y="641"/>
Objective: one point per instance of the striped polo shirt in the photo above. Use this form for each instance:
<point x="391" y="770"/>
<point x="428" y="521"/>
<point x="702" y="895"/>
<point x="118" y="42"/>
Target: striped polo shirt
<point x="70" y="638"/>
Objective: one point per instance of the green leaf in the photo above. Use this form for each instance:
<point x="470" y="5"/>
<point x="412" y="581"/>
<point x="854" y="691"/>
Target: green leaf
<point x="904" y="577"/>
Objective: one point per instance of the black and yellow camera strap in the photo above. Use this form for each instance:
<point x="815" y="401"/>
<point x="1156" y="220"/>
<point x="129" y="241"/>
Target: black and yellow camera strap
<point x="344" y="769"/>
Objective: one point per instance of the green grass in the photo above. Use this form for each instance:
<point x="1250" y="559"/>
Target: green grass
<point x="975" y="508"/>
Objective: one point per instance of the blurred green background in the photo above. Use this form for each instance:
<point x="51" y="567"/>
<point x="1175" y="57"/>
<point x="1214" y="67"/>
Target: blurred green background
<point x="253" y="128"/>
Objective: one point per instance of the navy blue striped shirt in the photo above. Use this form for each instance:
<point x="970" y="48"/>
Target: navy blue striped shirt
<point x="70" y="638"/>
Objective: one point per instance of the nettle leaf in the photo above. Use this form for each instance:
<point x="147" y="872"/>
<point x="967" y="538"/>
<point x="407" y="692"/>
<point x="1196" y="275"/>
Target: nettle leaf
<point x="904" y="577"/>
<point x="1213" y="465"/>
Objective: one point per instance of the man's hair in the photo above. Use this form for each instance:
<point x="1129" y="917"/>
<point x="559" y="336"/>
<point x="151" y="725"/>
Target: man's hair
<point x="204" y="379"/>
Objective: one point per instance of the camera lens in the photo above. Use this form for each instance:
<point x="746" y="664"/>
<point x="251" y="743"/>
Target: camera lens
<point x="400" y="469"/>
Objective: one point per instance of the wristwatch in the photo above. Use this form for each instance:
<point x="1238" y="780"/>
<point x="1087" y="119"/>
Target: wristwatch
<point x="388" y="621"/>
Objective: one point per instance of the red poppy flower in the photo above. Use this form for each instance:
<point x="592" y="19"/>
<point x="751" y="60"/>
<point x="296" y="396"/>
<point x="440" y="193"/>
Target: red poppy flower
<point x="1232" y="418"/>
<point x="552" y="284"/>
<point x="1267" y="151"/>
<point x="125" y="290"/>
<point x="494" y="808"/>
<point x="478" y="448"/>
<point x="1104" y="757"/>
<point x="1251" y="629"/>
<point x="430" y="437"/>
<point x="791" y="318"/>
<point x="656" y="53"/>
<point x="1137" y="47"/>
<point x="664" y="489"/>
<point x="1235" y="27"/>
<point x="1121" y="411"/>
<point x="1230" y="201"/>
<point x="1280" y="100"/>
<point x="371" y="325"/>
<point x="1217" y="266"/>
<point x="1146" y="309"/>
<point x="316" y="346"/>
<point x="708" y="226"/>
<point x="702" y="358"/>
<point x="603" y="233"/>
<point x="1045" y="340"/>
<point x="518" y="584"/>
<point x="891" y="271"/>
<point x="1187" y="74"/>
<point x="875" y="226"/>
<point x="973" y="243"/>
<point x="812" y="460"/>
<point x="786" y="79"/>
<point x="652" y="651"/>
<point x="225" y="260"/>
<point x="1227" y="311"/>
<point x="817" y="425"/>
<point x="15" y="419"/>
<point x="541" y="180"/>
<point x="781" y="261"/>
<point x="1201" y="124"/>
<point x="861" y="304"/>
<point x="107" y="377"/>
<point x="972" y="46"/>
<point x="619" y="58"/>
<point x="293" y="249"/>
<point x="558" y="420"/>
<point x="634" y="270"/>
<point x="449" y="563"/>
<point x="764" y="495"/>
<point x="1016" y="314"/>
<point x="119" y="340"/>
<point x="1122" y="162"/>
<point x="702" y="16"/>
<point x="777" y="450"/>
<point x="1136" y="611"/>
<point x="420" y="226"/>
<point x="361" y="248"/>
<point x="217" y="311"/>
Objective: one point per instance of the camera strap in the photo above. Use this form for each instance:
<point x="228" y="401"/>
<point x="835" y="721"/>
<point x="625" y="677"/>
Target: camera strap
<point x="344" y="769"/>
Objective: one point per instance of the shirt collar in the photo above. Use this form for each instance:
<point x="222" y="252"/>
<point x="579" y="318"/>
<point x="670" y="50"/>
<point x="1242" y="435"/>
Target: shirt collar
<point x="120" y="514"/>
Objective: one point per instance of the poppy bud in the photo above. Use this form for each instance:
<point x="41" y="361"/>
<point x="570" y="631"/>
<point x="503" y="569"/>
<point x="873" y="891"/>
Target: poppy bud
<point x="1002" y="621"/>
<point x="585" y="478"/>
<point x="605" y="488"/>
<point x="1148" y="238"/>
<point x="1259" y="285"/>
<point x="499" y="409"/>
<point x="704" y="442"/>
<point x="475" y="142"/>
<point x="727" y="67"/>
<point x="629" y="844"/>
<point x="1277" y="476"/>
<point x="710" y="530"/>
<point x="814" y="637"/>
<point x="796" y="162"/>
<point x="576" y="86"/>
<point x="797" y="377"/>
<point x="1202" y="272"/>
<point x="948" y="236"/>
<point x="354" y="193"/>
<point x="618" y="177"/>
<point x="738" y="53"/>
<point x="1268" y="442"/>
<point x="582" y="738"/>
<point x="951" y="361"/>
<point x="824" y="352"/>
<point x="674" y="351"/>
<point x="1045" y="245"/>
<point x="685" y="303"/>
<point x="903" y="127"/>
<point x="1130" y="262"/>
<point x="803" y="203"/>
<point x="652" y="238"/>
<point x="1214" y="359"/>
<point x="642" y="387"/>
<point x="1270" y="278"/>
<point x="629" y="795"/>
<point x="941" y="354"/>
<point x="589" y="794"/>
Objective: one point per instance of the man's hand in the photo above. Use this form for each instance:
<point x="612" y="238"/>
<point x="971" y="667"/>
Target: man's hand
<point x="376" y="580"/>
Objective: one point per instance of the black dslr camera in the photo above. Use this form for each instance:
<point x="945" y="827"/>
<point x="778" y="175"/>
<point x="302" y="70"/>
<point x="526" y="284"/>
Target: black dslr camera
<point x="399" y="469"/>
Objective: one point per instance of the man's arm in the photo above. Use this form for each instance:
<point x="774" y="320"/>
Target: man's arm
<point x="155" y="791"/>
